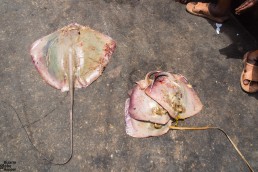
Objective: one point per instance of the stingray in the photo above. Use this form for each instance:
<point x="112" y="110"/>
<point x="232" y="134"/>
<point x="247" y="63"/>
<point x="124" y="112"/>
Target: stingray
<point x="71" y="57"/>
<point x="157" y="102"/>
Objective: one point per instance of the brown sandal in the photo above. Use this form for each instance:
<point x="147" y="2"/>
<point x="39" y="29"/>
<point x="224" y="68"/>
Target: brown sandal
<point x="202" y="10"/>
<point x="250" y="72"/>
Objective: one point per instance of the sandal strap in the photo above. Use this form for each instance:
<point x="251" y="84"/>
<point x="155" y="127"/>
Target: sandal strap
<point x="251" y="72"/>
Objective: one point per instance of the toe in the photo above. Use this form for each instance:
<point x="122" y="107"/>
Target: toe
<point x="246" y="82"/>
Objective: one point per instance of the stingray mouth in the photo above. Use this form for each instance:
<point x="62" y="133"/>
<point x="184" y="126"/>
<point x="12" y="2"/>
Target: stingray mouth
<point x="175" y="101"/>
<point x="158" y="110"/>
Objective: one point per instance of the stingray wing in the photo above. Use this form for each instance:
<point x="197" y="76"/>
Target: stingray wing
<point x="142" y="129"/>
<point x="176" y="95"/>
<point x="163" y="92"/>
<point x="143" y="108"/>
<point x="89" y="49"/>
<point x="191" y="100"/>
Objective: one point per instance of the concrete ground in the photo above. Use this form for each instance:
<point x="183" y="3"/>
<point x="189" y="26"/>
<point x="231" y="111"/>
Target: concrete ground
<point x="150" y="35"/>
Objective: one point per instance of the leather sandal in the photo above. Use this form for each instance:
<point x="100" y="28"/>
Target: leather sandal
<point x="250" y="73"/>
<point x="202" y="10"/>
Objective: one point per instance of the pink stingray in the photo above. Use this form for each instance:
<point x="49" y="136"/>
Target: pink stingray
<point x="72" y="57"/>
<point x="153" y="103"/>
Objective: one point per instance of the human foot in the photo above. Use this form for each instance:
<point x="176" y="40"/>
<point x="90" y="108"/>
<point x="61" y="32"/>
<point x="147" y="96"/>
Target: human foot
<point x="249" y="76"/>
<point x="206" y="10"/>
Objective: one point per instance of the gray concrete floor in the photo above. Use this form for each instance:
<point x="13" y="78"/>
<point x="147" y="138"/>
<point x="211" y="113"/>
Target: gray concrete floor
<point x="150" y="35"/>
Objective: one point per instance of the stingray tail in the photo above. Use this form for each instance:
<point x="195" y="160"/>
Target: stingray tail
<point x="71" y="90"/>
<point x="230" y="140"/>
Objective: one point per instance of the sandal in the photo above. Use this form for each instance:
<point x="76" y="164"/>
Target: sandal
<point x="250" y="72"/>
<point x="202" y="10"/>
